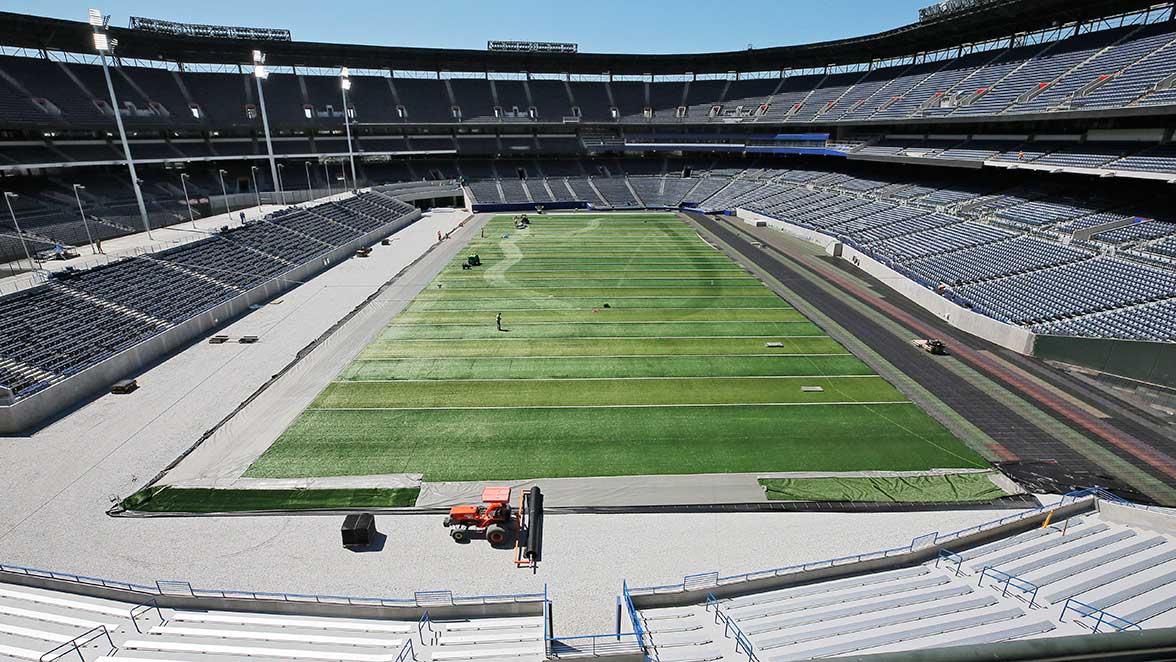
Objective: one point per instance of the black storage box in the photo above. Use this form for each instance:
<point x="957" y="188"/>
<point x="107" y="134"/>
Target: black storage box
<point x="124" y="386"/>
<point x="359" y="530"/>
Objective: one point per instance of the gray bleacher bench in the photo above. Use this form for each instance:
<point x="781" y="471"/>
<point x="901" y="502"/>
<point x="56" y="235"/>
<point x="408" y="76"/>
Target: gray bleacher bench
<point x="1018" y="632"/>
<point x="1135" y="590"/>
<point x="877" y="623"/>
<point x="862" y="608"/>
<point x="1052" y="542"/>
<point x="1112" y="575"/>
<point x="921" y="632"/>
<point x="1115" y="555"/>
<point x="822" y="587"/>
<point x="838" y="598"/>
<point x="1068" y="552"/>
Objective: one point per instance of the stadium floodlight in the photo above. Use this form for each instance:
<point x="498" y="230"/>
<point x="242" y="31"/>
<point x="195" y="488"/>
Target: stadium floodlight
<point x="104" y="45"/>
<point x="281" y="188"/>
<point x="345" y="75"/>
<point x="225" y="192"/>
<point x="256" y="188"/>
<point x="260" y="74"/>
<point x="82" y="213"/>
<point x="184" y="177"/>
<point x="8" y="198"/>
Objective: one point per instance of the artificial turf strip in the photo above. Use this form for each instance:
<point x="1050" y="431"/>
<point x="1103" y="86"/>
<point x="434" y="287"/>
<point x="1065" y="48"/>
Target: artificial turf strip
<point x="575" y="302"/>
<point x="508" y="444"/>
<point x="605" y="392"/>
<point x="951" y="488"/>
<point x="608" y="315"/>
<point x="630" y="346"/>
<point x="384" y="348"/>
<point x="596" y="367"/>
<point x="511" y="330"/>
<point x="194" y="500"/>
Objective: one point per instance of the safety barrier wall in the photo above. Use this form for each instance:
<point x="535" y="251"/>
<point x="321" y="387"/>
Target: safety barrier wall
<point x="1149" y="362"/>
<point x="1018" y="339"/>
<point x="181" y="595"/>
<point x="693" y="589"/>
<point x="44" y="405"/>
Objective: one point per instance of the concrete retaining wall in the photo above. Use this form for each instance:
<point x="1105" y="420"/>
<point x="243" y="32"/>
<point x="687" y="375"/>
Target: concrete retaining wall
<point x="1012" y="337"/>
<point x="695" y="596"/>
<point x="37" y="409"/>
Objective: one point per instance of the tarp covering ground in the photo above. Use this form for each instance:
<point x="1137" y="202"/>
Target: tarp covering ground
<point x="958" y="488"/>
<point x="628" y="346"/>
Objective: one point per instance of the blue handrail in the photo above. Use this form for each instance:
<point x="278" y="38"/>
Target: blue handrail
<point x="1104" y="617"/>
<point x="742" y="643"/>
<point x="633" y="616"/>
<point x="940" y="538"/>
<point x="1025" y="586"/>
<point x="949" y="556"/>
<point x="406" y="652"/>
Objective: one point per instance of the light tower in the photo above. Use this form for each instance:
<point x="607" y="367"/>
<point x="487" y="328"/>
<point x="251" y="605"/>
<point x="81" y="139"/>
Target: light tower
<point x="345" y="83"/>
<point x="259" y="74"/>
<point x="104" y="44"/>
<point x="82" y="212"/>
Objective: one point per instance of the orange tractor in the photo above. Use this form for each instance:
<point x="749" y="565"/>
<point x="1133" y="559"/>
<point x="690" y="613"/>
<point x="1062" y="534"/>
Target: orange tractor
<point x="494" y="519"/>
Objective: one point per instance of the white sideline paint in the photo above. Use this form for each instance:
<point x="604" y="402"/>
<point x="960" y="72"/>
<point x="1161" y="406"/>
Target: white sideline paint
<point x="598" y="379"/>
<point x="61" y="602"/>
<point x="54" y="618"/>
<point x="292" y="622"/>
<point x="275" y="636"/>
<point x="174" y="647"/>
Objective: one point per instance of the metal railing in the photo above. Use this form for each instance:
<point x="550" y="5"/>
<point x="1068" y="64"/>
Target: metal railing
<point x="143" y="608"/>
<point x="634" y="617"/>
<point x="407" y="652"/>
<point x="75" y="645"/>
<point x="742" y="643"/>
<point x="1104" y="617"/>
<point x="597" y="644"/>
<point x="231" y="594"/>
<point x="1010" y="581"/>
<point x="695" y="581"/>
<point x="949" y="556"/>
<point x="425" y="623"/>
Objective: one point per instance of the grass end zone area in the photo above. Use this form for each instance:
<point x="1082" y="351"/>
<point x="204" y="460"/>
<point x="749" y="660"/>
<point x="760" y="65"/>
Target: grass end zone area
<point x="941" y="488"/>
<point x="179" y="500"/>
<point x="594" y="345"/>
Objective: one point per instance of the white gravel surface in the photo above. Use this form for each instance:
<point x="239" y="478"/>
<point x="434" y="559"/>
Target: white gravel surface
<point x="56" y="485"/>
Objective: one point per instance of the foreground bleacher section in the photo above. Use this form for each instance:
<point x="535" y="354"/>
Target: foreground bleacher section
<point x="1023" y="256"/>
<point x="1105" y="571"/>
<point x="81" y="318"/>
<point x="38" y="623"/>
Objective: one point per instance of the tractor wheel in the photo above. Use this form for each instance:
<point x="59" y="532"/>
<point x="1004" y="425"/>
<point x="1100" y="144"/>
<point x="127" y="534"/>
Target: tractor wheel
<point x="459" y="535"/>
<point x="496" y="534"/>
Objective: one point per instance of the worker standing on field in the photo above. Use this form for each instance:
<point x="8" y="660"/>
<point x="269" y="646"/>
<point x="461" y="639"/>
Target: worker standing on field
<point x="498" y="321"/>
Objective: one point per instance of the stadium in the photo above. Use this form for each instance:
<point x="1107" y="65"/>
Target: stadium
<point x="859" y="349"/>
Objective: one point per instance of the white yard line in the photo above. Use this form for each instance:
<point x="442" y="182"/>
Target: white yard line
<point x="589" y="356"/>
<point x="650" y="406"/>
<point x="596" y="379"/>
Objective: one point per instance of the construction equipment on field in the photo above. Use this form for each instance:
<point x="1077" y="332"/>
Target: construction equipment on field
<point x="501" y="524"/>
<point x="931" y="346"/>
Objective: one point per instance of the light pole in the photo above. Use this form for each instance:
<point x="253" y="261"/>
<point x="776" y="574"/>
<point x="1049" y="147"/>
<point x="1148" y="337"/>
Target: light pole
<point x="82" y="213"/>
<point x="225" y="193"/>
<point x="327" y="177"/>
<point x="256" y="189"/>
<point x="20" y="233"/>
<point x="260" y="74"/>
<point x="345" y="75"/>
<point x="281" y="191"/>
<point x="102" y="44"/>
<point x="309" y="188"/>
<point x="187" y="199"/>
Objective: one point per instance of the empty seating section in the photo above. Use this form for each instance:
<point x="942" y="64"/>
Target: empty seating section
<point x="81" y="318"/>
<point x="1115" y="67"/>
<point x="993" y="260"/>
<point x="1125" y="569"/>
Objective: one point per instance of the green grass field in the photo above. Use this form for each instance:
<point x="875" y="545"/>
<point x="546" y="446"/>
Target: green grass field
<point x="629" y="346"/>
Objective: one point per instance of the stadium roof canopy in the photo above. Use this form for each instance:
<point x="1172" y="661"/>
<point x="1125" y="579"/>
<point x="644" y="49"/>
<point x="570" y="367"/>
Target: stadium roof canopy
<point x="986" y="21"/>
